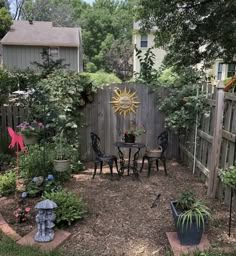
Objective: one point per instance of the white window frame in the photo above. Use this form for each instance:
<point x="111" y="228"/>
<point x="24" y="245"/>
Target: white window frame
<point x="144" y="40"/>
<point x="52" y="54"/>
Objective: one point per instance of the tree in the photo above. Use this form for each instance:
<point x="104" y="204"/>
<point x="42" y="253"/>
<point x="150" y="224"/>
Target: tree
<point x="119" y="58"/>
<point x="61" y="13"/>
<point x="5" y="21"/>
<point x="192" y="30"/>
<point x="102" y="23"/>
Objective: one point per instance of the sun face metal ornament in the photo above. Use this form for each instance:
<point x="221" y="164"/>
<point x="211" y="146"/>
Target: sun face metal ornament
<point x="124" y="101"/>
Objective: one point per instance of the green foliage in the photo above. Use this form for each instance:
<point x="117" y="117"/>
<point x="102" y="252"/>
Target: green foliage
<point x="191" y="209"/>
<point x="102" y="23"/>
<point x="147" y="73"/>
<point x="185" y="200"/>
<point x="37" y="162"/>
<point x="63" y="150"/>
<point x="181" y="103"/>
<point x="5" y="21"/>
<point x="100" y="79"/>
<point x="49" y="65"/>
<point x="191" y="31"/>
<point x="9" y="247"/>
<point x="228" y="176"/>
<point x="7" y="183"/>
<point x="70" y="207"/>
<point x="4" y="86"/>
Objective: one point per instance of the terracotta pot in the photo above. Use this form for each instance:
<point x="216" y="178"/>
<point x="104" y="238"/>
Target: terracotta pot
<point x="61" y="165"/>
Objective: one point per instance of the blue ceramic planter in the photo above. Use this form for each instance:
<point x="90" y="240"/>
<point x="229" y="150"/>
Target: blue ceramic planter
<point x="188" y="235"/>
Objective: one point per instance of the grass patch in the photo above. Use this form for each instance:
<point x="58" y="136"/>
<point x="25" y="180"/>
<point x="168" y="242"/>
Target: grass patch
<point x="8" y="247"/>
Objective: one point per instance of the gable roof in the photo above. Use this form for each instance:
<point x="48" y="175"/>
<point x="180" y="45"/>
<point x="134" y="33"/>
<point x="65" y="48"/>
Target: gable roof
<point x="41" y="33"/>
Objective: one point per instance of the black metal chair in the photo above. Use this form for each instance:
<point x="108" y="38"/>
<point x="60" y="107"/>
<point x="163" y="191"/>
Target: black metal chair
<point x="157" y="154"/>
<point x="101" y="157"/>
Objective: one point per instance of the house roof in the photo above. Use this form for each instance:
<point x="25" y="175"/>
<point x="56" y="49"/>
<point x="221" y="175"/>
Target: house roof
<point x="41" y="33"/>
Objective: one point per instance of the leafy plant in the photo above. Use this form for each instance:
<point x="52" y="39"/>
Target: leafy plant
<point x="182" y="102"/>
<point x="37" y="162"/>
<point x="135" y="130"/>
<point x="191" y="210"/>
<point x="70" y="207"/>
<point x="7" y="183"/>
<point x="63" y="150"/>
<point x="33" y="128"/>
<point x="147" y="73"/>
<point x="228" y="176"/>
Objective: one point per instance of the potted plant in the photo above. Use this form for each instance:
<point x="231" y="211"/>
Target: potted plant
<point x="190" y="216"/>
<point x="30" y="131"/>
<point x="63" y="154"/>
<point x="133" y="132"/>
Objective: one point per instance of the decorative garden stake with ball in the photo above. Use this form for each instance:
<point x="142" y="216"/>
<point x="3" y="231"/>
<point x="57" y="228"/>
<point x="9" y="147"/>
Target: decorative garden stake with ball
<point x="45" y="221"/>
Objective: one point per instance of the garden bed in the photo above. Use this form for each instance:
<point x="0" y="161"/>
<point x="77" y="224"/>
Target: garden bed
<point x="121" y="221"/>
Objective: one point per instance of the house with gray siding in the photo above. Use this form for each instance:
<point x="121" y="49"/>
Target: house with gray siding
<point x="25" y="41"/>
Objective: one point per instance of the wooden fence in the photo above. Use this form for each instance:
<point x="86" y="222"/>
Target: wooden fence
<point x="99" y="117"/>
<point x="10" y="116"/>
<point x="216" y="138"/>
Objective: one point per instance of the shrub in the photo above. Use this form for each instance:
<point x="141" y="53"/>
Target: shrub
<point x="100" y="79"/>
<point x="7" y="183"/>
<point x="70" y="207"/>
<point x="37" y="162"/>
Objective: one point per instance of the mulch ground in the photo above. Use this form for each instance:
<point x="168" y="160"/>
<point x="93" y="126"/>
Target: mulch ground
<point x="120" y="220"/>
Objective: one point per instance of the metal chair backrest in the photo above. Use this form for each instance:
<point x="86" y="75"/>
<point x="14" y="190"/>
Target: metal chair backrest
<point x="162" y="141"/>
<point x="96" y="144"/>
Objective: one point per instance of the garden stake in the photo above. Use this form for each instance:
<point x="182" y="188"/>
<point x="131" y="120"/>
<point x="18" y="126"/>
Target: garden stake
<point x="16" y="140"/>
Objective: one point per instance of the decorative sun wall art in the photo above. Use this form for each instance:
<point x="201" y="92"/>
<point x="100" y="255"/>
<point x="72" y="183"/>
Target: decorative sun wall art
<point x="125" y="102"/>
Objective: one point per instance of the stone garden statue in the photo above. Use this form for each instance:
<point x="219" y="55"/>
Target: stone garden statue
<point x="45" y="221"/>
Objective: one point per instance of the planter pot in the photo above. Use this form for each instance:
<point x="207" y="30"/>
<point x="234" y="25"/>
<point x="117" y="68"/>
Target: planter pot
<point x="30" y="140"/>
<point x="61" y="165"/>
<point x="188" y="234"/>
<point x="129" y="138"/>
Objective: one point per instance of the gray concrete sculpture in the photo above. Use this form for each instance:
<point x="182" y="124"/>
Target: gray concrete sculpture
<point x="45" y="221"/>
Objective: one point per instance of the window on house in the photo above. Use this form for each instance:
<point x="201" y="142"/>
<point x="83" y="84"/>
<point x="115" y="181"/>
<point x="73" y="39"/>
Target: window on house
<point x="54" y="52"/>
<point x="231" y="70"/>
<point x="144" y="41"/>
<point x="220" y="70"/>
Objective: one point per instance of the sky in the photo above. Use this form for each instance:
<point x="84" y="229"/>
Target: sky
<point x="89" y="1"/>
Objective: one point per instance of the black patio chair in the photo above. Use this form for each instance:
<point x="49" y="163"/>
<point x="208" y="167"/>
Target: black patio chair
<point x="101" y="157"/>
<point x="157" y="154"/>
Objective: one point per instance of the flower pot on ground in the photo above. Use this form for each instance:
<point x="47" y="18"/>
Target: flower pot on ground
<point x="190" y="216"/>
<point x="64" y="154"/>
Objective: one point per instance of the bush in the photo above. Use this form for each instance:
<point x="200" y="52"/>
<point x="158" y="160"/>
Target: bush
<point x="7" y="183"/>
<point x="100" y="79"/>
<point x="37" y="162"/>
<point x="70" y="207"/>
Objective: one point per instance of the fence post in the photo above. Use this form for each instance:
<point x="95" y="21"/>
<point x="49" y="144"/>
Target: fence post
<point x="217" y="138"/>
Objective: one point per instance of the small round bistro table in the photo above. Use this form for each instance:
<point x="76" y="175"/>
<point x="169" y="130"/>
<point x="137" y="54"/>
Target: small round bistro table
<point x="123" y="164"/>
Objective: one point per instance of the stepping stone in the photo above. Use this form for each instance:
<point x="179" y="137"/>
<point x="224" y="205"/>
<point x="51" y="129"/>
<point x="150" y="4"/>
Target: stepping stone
<point x="179" y="249"/>
<point x="60" y="237"/>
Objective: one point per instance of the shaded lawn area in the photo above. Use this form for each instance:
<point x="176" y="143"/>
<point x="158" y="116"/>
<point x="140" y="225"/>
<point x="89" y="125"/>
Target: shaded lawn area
<point x="120" y="219"/>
